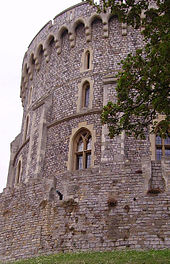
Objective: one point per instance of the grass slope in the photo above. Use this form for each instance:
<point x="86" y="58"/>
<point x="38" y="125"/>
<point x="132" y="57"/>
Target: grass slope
<point x="114" y="257"/>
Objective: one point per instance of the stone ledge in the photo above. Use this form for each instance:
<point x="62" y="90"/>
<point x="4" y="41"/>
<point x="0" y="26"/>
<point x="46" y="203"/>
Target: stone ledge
<point x="77" y="115"/>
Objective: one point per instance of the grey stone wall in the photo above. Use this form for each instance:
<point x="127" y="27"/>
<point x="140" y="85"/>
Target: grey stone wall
<point x="102" y="210"/>
<point x="122" y="201"/>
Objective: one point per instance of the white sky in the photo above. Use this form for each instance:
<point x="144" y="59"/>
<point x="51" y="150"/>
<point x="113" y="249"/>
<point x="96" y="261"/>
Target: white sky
<point x="20" y="21"/>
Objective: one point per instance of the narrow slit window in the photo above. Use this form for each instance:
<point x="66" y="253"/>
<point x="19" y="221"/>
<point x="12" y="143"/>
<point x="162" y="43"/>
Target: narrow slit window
<point x="30" y="96"/>
<point x="86" y="95"/>
<point x="87" y="60"/>
<point x="26" y="128"/>
<point x="18" y="175"/>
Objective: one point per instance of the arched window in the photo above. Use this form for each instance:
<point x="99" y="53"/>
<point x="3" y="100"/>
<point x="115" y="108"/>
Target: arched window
<point x="162" y="146"/>
<point x="18" y="172"/>
<point x="26" y="128"/>
<point x="86" y="95"/>
<point x="30" y="96"/>
<point x="87" y="60"/>
<point x="83" y="150"/>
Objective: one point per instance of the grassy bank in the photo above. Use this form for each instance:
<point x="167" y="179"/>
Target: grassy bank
<point x="115" y="257"/>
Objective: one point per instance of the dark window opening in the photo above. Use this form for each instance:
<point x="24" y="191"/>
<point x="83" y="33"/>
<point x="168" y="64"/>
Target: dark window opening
<point x="87" y="60"/>
<point x="87" y="96"/>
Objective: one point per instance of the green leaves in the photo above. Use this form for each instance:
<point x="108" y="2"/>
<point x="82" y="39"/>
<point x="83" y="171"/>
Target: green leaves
<point x="143" y="89"/>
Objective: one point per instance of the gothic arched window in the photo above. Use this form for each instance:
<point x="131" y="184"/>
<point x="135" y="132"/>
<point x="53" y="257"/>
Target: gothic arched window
<point x="162" y="146"/>
<point x="83" y="150"/>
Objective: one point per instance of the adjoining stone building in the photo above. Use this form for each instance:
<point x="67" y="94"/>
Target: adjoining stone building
<point x="70" y="187"/>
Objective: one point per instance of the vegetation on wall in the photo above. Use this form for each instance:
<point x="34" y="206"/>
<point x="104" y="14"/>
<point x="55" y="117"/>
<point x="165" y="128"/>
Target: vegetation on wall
<point x="143" y="89"/>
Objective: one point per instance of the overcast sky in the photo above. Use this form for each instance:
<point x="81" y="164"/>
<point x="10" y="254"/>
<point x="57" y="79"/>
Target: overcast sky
<point x="20" y="21"/>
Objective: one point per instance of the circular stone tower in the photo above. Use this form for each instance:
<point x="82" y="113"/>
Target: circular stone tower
<point x="68" y="75"/>
<point x="76" y="182"/>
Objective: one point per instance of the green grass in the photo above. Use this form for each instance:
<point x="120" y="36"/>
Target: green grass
<point x="114" y="257"/>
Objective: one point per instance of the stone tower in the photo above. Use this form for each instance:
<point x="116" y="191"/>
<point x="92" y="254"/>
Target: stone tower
<point x="71" y="187"/>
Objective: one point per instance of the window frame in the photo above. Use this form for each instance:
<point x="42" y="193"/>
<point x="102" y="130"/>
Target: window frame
<point x="73" y="136"/>
<point x="18" y="171"/>
<point x="26" y="128"/>
<point x="85" y="89"/>
<point x="87" y="60"/>
<point x="30" y="96"/>
<point x="162" y="146"/>
<point x="81" y="106"/>
<point x="85" y="135"/>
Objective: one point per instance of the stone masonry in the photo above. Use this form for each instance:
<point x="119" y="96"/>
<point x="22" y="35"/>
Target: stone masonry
<point x="122" y="200"/>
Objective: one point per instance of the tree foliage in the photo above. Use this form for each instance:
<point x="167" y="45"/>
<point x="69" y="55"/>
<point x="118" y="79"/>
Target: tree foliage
<point x="143" y="89"/>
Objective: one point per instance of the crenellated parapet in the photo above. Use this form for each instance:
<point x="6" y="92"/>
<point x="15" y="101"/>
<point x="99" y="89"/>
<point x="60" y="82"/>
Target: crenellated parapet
<point x="52" y="32"/>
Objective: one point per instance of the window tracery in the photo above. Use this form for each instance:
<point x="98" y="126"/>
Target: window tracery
<point x="162" y="145"/>
<point x="83" y="150"/>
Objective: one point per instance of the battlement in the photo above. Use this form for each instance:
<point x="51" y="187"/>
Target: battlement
<point x="51" y="34"/>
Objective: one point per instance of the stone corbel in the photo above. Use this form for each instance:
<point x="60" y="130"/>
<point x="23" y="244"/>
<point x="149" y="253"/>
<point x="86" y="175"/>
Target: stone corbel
<point x="105" y="29"/>
<point x="105" y="26"/>
<point x="72" y="39"/>
<point x="88" y="33"/>
<point x="22" y="91"/>
<point x="37" y="59"/>
<point x="30" y="71"/>
<point x="31" y="66"/>
<point x="46" y="53"/>
<point x="37" y="64"/>
<point x="25" y="82"/>
<point x="58" y="46"/>
<point x="47" y="47"/>
<point x="124" y="29"/>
